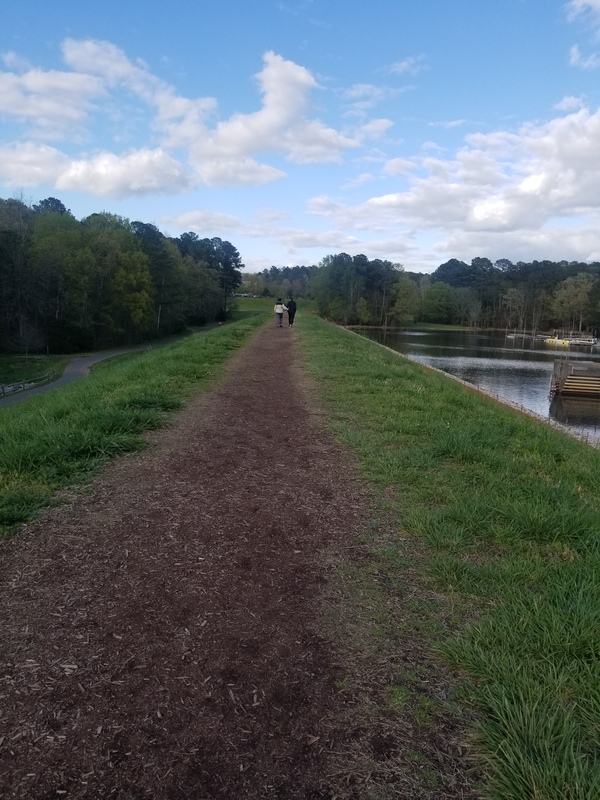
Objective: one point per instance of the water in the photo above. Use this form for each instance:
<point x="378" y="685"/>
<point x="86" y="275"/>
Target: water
<point x="516" y="370"/>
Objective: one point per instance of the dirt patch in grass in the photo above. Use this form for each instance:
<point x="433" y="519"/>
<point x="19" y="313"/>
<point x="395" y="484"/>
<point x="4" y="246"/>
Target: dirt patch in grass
<point x="189" y="626"/>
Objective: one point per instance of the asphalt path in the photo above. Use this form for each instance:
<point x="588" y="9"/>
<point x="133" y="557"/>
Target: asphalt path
<point x="80" y="367"/>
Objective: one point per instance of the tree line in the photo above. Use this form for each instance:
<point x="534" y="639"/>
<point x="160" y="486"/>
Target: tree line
<point x="281" y="282"/>
<point x="537" y="295"/>
<point x="70" y="285"/>
<point x="532" y="296"/>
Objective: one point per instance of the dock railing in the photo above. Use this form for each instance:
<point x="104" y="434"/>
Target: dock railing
<point x="576" y="378"/>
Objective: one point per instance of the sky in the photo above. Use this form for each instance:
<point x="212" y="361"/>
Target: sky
<point x="410" y="130"/>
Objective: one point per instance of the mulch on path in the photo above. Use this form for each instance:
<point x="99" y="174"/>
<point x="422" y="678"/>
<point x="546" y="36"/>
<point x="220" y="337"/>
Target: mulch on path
<point x="158" y="636"/>
<point x="159" y="633"/>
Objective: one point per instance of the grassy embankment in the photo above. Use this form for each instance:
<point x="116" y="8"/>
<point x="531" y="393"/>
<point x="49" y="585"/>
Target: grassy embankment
<point x="505" y="513"/>
<point x="56" y="439"/>
<point x="22" y="368"/>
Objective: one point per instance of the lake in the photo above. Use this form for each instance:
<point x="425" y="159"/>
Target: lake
<point x="516" y="370"/>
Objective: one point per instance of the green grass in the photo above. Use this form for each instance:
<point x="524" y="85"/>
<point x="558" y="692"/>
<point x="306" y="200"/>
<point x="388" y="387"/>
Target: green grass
<point x="506" y="512"/>
<point x="52" y="440"/>
<point x="21" y="368"/>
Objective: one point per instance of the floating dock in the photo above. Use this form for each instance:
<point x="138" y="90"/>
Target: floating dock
<point x="576" y="378"/>
<point x="573" y="340"/>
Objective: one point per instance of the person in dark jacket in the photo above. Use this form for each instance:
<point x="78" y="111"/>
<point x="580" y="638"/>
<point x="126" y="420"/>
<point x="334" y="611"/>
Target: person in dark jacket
<point x="291" y="309"/>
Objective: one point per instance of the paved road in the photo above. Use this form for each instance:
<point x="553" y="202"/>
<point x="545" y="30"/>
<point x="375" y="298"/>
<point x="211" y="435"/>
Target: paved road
<point x="79" y="368"/>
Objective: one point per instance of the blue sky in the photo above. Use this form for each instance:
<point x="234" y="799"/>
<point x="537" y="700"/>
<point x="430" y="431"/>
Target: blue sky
<point x="415" y="131"/>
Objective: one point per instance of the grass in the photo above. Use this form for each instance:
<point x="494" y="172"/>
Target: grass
<point x="53" y="440"/>
<point x="506" y="515"/>
<point x="22" y="368"/>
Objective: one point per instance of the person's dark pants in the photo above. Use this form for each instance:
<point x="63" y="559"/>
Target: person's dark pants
<point x="279" y="320"/>
<point x="291" y="315"/>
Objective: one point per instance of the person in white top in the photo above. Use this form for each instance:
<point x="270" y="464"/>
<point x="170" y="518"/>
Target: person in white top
<point x="279" y="309"/>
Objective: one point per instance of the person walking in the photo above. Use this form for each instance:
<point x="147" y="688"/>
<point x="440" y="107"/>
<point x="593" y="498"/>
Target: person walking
<point x="291" y="309"/>
<point x="279" y="309"/>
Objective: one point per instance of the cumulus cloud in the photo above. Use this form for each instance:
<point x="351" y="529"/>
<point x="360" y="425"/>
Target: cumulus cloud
<point x="105" y="59"/>
<point x="235" y="172"/>
<point x="31" y="164"/>
<point x="103" y="174"/>
<point x="538" y="184"/>
<point x="136" y="173"/>
<point x="187" y="144"/>
<point x="49" y="103"/>
<point x="280" y="126"/>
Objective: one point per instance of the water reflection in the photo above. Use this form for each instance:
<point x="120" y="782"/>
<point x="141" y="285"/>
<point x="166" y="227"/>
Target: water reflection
<point x="517" y="370"/>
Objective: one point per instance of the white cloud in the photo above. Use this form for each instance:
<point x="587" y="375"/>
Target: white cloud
<point x="31" y="164"/>
<point x="360" y="180"/>
<point x="525" y="184"/>
<point x="186" y="142"/>
<point x="203" y="222"/>
<point x="108" y="61"/>
<point x="367" y="92"/>
<point x="136" y="173"/>
<point x="362" y="97"/>
<point x="398" y="166"/>
<point x="374" y="129"/>
<point x="569" y="103"/>
<point x="577" y="60"/>
<point x="180" y="119"/>
<point x="273" y="214"/>
<point x="408" y="66"/>
<point x="12" y="60"/>
<point x="281" y="125"/>
<point x="235" y="172"/>
<point x="576" y="8"/>
<point x="50" y="103"/>
<point x="454" y="123"/>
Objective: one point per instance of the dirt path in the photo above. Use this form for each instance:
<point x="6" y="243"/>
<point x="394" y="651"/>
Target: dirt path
<point x="160" y="633"/>
<point x="159" y="630"/>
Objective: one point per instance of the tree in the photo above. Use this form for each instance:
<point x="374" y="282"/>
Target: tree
<point x="515" y="304"/>
<point x="572" y="299"/>
<point x="118" y="301"/>
<point x="128" y="313"/>
<point x="362" y="311"/>
<point x="467" y="305"/>
<point x="19" y="294"/>
<point x="338" y="287"/>
<point x="63" y="265"/>
<point x="229" y="267"/>
<point x="407" y="300"/>
<point x="52" y="205"/>
<point x="166" y="267"/>
<point x="438" y="303"/>
<point x="454" y="273"/>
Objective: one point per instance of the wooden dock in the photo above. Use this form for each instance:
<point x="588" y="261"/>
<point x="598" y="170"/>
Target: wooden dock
<point x="576" y="378"/>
